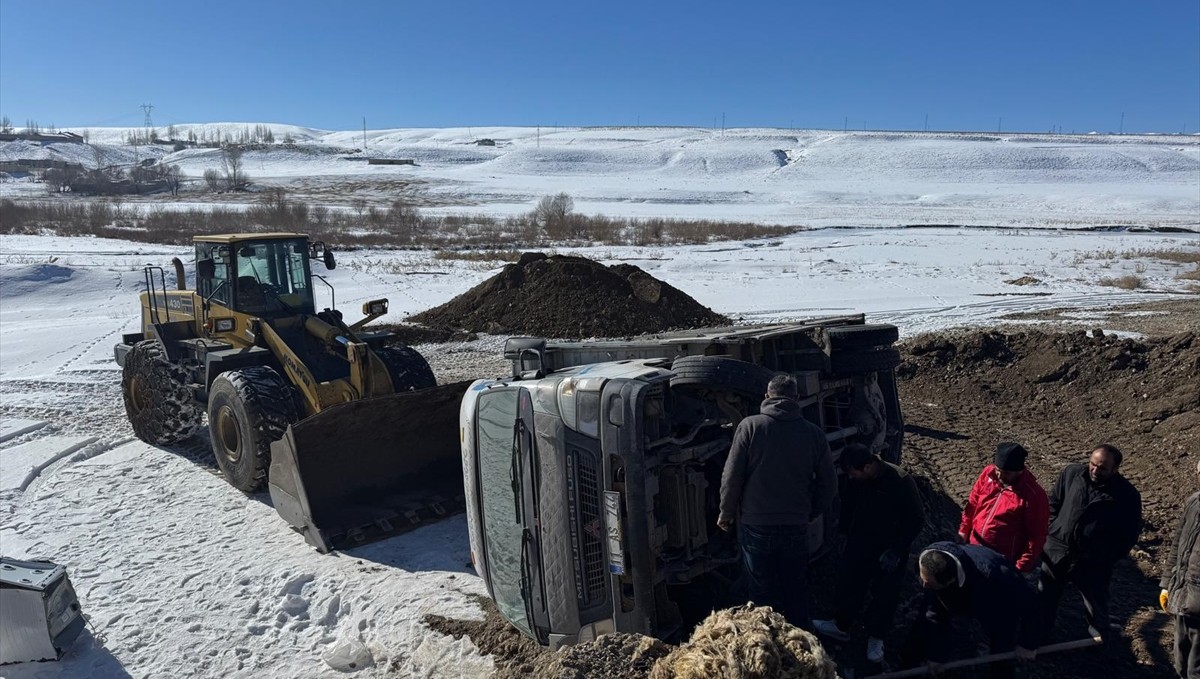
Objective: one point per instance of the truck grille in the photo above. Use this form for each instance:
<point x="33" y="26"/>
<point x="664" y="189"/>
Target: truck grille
<point x="589" y="528"/>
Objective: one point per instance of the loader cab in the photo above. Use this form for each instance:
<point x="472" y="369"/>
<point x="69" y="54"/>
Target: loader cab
<point x="261" y="278"/>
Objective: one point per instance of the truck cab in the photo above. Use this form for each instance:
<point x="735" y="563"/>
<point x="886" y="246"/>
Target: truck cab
<point x="592" y="475"/>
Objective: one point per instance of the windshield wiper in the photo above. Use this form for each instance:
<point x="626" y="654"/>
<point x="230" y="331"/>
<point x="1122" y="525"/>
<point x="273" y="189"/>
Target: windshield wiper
<point x="514" y="471"/>
<point x="527" y="581"/>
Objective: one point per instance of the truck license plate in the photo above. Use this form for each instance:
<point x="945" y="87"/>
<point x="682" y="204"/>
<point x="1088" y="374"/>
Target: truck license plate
<point x="612" y="525"/>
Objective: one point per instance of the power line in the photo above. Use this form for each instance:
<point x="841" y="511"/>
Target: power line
<point x="149" y="122"/>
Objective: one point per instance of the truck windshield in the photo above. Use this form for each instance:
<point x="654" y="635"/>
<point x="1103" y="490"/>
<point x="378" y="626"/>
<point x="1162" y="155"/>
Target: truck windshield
<point x="500" y="490"/>
<point x="273" y="276"/>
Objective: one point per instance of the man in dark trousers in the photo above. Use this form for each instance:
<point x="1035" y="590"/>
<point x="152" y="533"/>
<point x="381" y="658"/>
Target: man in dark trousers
<point x="881" y="516"/>
<point x="779" y="476"/>
<point x="972" y="581"/>
<point x="1095" y="519"/>
<point x="1181" y="589"/>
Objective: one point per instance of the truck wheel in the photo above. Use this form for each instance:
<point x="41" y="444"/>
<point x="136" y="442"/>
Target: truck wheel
<point x="844" y="337"/>
<point x="158" y="402"/>
<point x="408" y="369"/>
<point x="248" y="409"/>
<point x="864" y="361"/>
<point x="722" y="374"/>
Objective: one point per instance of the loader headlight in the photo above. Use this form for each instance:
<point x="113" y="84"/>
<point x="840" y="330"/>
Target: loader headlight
<point x="223" y="325"/>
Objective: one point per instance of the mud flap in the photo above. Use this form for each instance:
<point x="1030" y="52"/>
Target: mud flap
<point x="366" y="470"/>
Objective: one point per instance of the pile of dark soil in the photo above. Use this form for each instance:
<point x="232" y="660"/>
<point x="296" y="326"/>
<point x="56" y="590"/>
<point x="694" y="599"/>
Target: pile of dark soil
<point x="613" y="656"/>
<point x="570" y="298"/>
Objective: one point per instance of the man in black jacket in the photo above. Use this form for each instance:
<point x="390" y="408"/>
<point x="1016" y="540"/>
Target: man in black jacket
<point x="972" y="581"/>
<point x="1181" y="589"/>
<point x="1095" y="519"/>
<point x="881" y="516"/>
<point x="779" y="476"/>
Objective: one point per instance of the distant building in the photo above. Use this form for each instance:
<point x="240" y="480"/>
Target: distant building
<point x="391" y="161"/>
<point x="485" y="142"/>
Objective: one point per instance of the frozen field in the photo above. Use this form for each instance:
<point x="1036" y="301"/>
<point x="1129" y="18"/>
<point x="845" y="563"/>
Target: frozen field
<point x="795" y="177"/>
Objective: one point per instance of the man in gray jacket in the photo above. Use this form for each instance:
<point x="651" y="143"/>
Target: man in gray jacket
<point x="779" y="476"/>
<point x="1181" y="589"/>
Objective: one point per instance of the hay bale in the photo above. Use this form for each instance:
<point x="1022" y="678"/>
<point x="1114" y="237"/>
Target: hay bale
<point x="747" y="642"/>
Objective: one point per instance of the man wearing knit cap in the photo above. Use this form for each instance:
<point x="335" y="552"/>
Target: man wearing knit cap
<point x="1007" y="510"/>
<point x="1181" y="589"/>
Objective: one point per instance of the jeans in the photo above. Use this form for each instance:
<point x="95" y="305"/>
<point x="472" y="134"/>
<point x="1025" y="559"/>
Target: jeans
<point x="776" y="563"/>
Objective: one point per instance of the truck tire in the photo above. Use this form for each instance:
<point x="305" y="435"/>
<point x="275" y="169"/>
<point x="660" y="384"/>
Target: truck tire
<point x="248" y="409"/>
<point x="408" y="369"/>
<point x="722" y="374"/>
<point x="158" y="402"/>
<point x="864" y="361"/>
<point x="851" y="337"/>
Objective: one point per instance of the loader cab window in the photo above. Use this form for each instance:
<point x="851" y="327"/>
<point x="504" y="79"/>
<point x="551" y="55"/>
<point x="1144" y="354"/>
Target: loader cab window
<point x="209" y="280"/>
<point x="273" y="278"/>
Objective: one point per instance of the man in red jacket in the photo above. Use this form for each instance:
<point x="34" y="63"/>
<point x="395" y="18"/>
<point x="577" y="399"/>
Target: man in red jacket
<point x="1007" y="509"/>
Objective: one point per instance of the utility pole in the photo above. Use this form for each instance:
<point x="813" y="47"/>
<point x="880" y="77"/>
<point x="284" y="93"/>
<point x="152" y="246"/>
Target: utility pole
<point x="999" y="124"/>
<point x="722" y="123"/>
<point x="539" y="136"/>
<point x="364" y="134"/>
<point x="1121" y="129"/>
<point x="846" y="124"/>
<point x="926" y="122"/>
<point x="149" y="123"/>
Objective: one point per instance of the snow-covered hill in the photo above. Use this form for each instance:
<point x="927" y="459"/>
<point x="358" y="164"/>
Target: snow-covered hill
<point x="808" y="177"/>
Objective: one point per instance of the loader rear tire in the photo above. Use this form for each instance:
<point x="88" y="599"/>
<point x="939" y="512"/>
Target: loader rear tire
<point x="158" y="402"/>
<point x="408" y="369"/>
<point x="248" y="409"/>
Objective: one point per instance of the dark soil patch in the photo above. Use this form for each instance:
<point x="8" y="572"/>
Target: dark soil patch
<point x="615" y="656"/>
<point x="570" y="298"/>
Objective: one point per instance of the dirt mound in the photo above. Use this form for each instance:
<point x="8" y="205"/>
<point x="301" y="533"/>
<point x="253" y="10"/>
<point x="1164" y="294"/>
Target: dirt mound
<point x="622" y="656"/>
<point x="570" y="298"/>
<point x="747" y="642"/>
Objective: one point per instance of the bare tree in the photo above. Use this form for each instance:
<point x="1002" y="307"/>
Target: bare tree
<point x="212" y="178"/>
<point x="553" y="214"/>
<point x="173" y="176"/>
<point x="6" y="125"/>
<point x="231" y="163"/>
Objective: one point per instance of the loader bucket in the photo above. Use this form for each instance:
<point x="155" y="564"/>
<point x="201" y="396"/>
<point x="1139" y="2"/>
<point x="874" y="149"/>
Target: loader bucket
<point x="366" y="470"/>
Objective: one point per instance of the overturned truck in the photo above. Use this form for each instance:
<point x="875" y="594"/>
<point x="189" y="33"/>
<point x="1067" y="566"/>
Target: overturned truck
<point x="592" y="474"/>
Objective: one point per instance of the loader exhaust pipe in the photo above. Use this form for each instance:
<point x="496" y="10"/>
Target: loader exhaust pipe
<point x="367" y="470"/>
<point x="180" y="276"/>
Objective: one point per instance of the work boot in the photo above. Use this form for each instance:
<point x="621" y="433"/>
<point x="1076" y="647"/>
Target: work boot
<point x="875" y="650"/>
<point x="829" y="628"/>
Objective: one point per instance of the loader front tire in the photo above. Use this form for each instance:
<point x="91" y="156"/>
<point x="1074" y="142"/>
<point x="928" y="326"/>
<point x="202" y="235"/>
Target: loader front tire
<point x="408" y="369"/>
<point x="248" y="409"/>
<point x="158" y="402"/>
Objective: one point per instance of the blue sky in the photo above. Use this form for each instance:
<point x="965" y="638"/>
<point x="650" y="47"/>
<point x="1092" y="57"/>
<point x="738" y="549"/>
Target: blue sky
<point x="883" y="65"/>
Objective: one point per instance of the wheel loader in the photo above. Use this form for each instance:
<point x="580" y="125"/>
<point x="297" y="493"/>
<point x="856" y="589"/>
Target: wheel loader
<point x="349" y="429"/>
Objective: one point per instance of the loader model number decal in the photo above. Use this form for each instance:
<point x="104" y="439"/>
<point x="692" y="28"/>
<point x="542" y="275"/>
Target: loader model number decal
<point x="181" y="304"/>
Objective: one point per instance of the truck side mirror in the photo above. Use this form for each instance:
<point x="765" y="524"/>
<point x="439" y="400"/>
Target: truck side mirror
<point x="206" y="268"/>
<point x="330" y="263"/>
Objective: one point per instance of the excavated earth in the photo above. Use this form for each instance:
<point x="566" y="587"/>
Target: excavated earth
<point x="569" y="297"/>
<point x="1059" y="394"/>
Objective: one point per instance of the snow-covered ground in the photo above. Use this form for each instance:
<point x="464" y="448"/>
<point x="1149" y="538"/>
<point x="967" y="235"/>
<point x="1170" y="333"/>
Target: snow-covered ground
<point x="182" y="575"/>
<point x="795" y="177"/>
